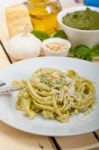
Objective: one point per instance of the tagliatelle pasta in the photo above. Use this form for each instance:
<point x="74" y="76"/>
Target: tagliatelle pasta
<point x="55" y="94"/>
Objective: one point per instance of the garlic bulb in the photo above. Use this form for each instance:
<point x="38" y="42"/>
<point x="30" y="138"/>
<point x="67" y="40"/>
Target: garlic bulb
<point x="24" y="46"/>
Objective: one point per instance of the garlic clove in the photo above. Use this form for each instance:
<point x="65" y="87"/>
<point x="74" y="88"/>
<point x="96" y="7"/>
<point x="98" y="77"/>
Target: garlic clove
<point x="24" y="46"/>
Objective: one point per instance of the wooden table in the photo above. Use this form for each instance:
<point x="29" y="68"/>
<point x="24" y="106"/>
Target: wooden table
<point x="13" y="139"/>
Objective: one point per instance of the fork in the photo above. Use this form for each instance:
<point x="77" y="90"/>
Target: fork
<point x="4" y="90"/>
<point x="2" y="83"/>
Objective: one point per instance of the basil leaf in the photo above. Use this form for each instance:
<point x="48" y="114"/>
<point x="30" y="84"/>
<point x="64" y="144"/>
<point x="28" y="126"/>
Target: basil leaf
<point x="82" y="51"/>
<point x="60" y="34"/>
<point x="95" y="51"/>
<point x="40" y="34"/>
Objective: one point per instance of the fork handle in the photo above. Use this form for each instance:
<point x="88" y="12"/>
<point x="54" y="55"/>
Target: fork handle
<point x="7" y="90"/>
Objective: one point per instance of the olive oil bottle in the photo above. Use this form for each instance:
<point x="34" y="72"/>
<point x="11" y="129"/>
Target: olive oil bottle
<point x="44" y="14"/>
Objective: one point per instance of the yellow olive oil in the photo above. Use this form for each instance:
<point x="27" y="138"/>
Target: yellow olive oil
<point x="44" y="14"/>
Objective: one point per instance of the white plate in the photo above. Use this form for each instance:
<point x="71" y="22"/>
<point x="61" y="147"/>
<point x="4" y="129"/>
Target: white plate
<point x="39" y="125"/>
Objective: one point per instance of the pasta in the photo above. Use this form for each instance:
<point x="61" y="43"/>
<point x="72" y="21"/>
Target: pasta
<point x="55" y="94"/>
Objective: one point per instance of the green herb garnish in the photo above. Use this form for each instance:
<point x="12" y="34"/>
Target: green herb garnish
<point x="43" y="35"/>
<point x="95" y="51"/>
<point x="82" y="51"/>
<point x="40" y="34"/>
<point x="61" y="34"/>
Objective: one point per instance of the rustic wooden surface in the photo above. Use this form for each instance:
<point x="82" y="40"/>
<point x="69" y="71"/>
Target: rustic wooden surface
<point x="97" y="133"/>
<point x="11" y="138"/>
<point x="3" y="59"/>
<point x="79" y="142"/>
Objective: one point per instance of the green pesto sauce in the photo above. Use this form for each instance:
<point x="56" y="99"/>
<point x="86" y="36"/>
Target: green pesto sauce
<point x="83" y="20"/>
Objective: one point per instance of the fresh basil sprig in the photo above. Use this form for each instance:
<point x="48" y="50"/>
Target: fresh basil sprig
<point x="43" y="35"/>
<point x="40" y="34"/>
<point x="82" y="51"/>
<point x="95" y="51"/>
<point x="60" y="34"/>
